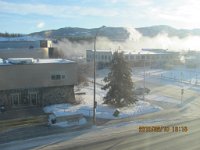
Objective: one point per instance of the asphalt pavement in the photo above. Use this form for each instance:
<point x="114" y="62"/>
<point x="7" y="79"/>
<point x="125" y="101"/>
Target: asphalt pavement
<point x="129" y="138"/>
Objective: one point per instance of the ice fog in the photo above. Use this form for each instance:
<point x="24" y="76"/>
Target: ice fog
<point x="135" y="42"/>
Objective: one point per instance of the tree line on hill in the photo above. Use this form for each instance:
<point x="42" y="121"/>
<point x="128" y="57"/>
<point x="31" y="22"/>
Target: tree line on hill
<point x="6" y="34"/>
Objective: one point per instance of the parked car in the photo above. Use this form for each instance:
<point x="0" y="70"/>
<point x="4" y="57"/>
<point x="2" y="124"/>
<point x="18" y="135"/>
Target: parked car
<point x="141" y="91"/>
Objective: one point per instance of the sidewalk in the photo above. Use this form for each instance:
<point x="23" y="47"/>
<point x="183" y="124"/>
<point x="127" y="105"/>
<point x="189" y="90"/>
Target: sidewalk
<point x="21" y="112"/>
<point x="28" y="132"/>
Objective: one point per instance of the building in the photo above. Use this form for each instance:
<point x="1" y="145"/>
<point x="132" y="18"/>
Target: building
<point x="103" y="57"/>
<point x="151" y="57"/>
<point x="30" y="82"/>
<point x="24" y="49"/>
<point x="192" y="59"/>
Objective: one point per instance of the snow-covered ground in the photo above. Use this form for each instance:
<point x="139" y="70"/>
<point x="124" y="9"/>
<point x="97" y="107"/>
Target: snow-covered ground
<point x="180" y="75"/>
<point x="103" y="110"/>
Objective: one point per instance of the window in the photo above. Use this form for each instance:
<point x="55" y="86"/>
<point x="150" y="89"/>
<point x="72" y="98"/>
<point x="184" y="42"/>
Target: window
<point x="53" y="77"/>
<point x="58" y="77"/>
<point x="143" y="57"/>
<point x="63" y="76"/>
<point x="132" y="57"/>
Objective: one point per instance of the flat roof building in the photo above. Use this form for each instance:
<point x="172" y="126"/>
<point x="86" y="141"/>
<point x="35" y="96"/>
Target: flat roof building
<point x="136" y="58"/>
<point x="24" y="49"/>
<point x="28" y="81"/>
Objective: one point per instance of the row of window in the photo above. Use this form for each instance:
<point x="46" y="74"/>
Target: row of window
<point x="128" y="57"/>
<point x="31" y="99"/>
<point x="57" y="77"/>
<point x="100" y="57"/>
<point x="147" y="57"/>
<point x="105" y="57"/>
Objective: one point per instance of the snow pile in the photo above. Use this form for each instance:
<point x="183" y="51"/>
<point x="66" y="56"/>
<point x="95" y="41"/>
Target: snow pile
<point x="69" y="124"/>
<point x="55" y="108"/>
<point x="102" y="111"/>
<point x="140" y="108"/>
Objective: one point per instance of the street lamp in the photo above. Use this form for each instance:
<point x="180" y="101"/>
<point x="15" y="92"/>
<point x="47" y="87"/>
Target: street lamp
<point x="95" y="103"/>
<point x="182" y="89"/>
<point x="144" y="78"/>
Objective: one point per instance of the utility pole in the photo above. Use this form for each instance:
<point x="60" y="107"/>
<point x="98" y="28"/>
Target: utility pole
<point x="182" y="90"/>
<point x="144" y="78"/>
<point x="94" y="102"/>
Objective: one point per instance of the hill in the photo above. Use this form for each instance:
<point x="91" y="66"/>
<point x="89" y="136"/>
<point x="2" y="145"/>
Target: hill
<point x="114" y="33"/>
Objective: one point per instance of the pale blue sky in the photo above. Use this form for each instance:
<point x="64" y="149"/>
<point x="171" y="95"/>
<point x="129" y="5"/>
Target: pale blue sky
<point x="26" y="16"/>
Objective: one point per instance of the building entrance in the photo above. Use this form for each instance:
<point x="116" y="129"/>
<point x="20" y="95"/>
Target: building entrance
<point x="15" y="99"/>
<point x="33" y="97"/>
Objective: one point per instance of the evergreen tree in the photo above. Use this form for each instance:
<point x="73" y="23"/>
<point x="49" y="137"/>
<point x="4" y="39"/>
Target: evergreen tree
<point x="119" y="83"/>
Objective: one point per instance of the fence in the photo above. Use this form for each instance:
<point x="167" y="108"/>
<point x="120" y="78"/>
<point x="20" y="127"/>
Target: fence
<point x="176" y="79"/>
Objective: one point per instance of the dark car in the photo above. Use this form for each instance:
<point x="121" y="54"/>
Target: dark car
<point x="141" y="91"/>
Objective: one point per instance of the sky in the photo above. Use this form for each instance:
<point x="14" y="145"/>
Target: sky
<point x="22" y="16"/>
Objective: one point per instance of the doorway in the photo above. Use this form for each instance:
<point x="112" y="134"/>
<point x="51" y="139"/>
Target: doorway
<point x="33" y="97"/>
<point x="15" y="99"/>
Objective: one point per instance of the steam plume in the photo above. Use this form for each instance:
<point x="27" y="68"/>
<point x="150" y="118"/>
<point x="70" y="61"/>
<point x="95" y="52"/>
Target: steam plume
<point x="135" y="42"/>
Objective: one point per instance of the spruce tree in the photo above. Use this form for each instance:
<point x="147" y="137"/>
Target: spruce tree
<point x="119" y="83"/>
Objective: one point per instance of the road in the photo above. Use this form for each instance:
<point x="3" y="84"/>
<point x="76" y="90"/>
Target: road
<point x="128" y="137"/>
<point x="119" y="135"/>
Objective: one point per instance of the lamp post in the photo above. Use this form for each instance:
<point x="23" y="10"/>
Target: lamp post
<point x="95" y="103"/>
<point x="182" y="89"/>
<point x="144" y="78"/>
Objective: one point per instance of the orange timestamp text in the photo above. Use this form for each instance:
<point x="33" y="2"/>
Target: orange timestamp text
<point x="163" y="129"/>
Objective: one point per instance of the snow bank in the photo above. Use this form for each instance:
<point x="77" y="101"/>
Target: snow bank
<point x="103" y="111"/>
<point x="69" y="124"/>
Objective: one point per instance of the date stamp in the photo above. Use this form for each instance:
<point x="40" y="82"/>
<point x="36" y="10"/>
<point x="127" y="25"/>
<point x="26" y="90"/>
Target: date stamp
<point x="163" y="129"/>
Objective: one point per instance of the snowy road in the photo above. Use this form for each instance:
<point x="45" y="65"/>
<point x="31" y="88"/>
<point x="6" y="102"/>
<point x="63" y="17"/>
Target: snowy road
<point x="114" y="129"/>
<point x="118" y="136"/>
<point x="130" y="138"/>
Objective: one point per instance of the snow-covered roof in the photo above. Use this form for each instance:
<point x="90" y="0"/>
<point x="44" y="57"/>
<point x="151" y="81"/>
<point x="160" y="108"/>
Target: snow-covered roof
<point x="102" y="50"/>
<point x="11" y="61"/>
<point x="132" y="52"/>
<point x="46" y="61"/>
